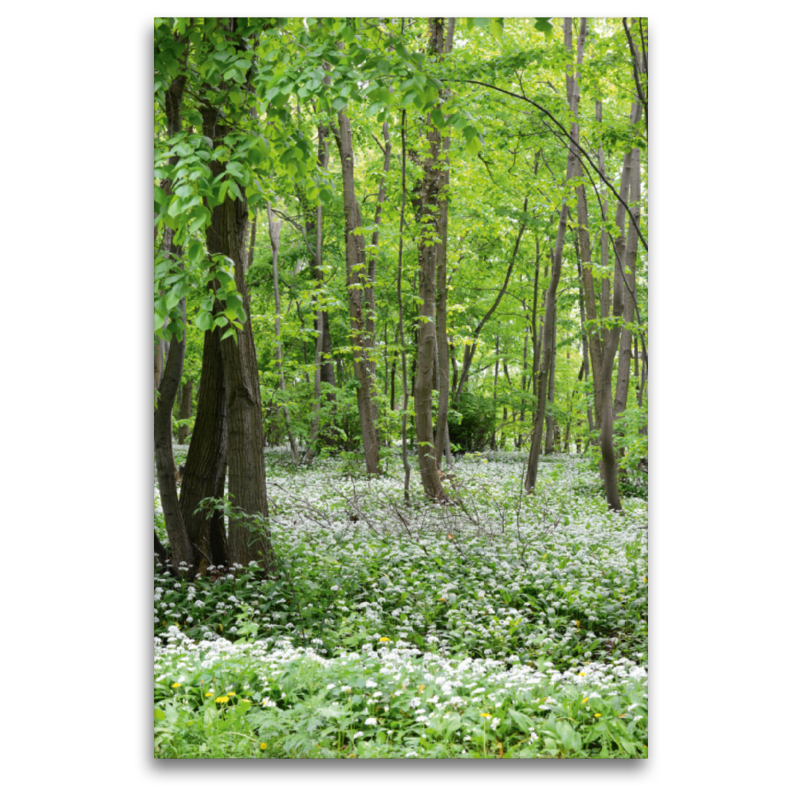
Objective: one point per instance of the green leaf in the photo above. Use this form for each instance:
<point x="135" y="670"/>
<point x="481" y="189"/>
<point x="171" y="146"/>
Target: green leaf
<point x="496" y="28"/>
<point x="173" y="298"/>
<point x="474" y="143"/>
<point x="233" y="190"/>
<point x="525" y="723"/>
<point x="437" y="117"/>
<point x="374" y="109"/>
<point x="195" y="250"/>
<point x="159" y="715"/>
<point x="544" y="24"/>
<point x="204" y="321"/>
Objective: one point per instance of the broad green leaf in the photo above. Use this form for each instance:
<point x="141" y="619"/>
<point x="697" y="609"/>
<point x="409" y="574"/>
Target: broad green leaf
<point x="204" y="321"/>
<point x="195" y="250"/>
<point x="233" y="190"/>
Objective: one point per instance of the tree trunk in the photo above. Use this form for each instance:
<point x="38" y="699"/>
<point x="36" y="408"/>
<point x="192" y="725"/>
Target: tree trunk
<point x="320" y="322"/>
<point x="186" y="409"/>
<point x="356" y="275"/>
<point x="430" y="218"/>
<point x="612" y="342"/>
<point x="180" y="546"/>
<point x="275" y="242"/>
<point x="548" y="334"/>
<point x="629" y="293"/>
<point x="401" y="333"/>
<point x="549" y="444"/>
<point x="227" y="234"/>
<point x="204" y="473"/>
<point x="443" y="360"/>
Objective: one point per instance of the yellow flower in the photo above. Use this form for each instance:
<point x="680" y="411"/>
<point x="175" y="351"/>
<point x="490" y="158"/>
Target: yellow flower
<point x="231" y="694"/>
<point x="644" y="579"/>
<point x="421" y="686"/>
<point x="583" y="673"/>
<point x="175" y="685"/>
<point x="598" y="715"/>
<point x="442" y="599"/>
<point x="486" y="715"/>
<point x="263" y="745"/>
<point x="585" y="700"/>
<point x="222" y="699"/>
<point x="209" y="694"/>
<point x="384" y="639"/>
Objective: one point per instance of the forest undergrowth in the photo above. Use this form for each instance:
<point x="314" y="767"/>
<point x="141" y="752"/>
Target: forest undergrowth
<point x="497" y="625"/>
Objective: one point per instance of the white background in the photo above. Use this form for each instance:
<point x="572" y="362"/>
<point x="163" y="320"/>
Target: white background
<point x="77" y="414"/>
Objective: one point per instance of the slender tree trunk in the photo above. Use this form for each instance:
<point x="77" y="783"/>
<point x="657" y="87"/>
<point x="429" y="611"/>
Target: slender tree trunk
<point x="494" y="391"/>
<point x="612" y="342"/>
<point x="549" y="444"/>
<point x="323" y="156"/>
<point x="180" y="546"/>
<point x="356" y="275"/>
<point x="369" y="289"/>
<point x="548" y="335"/>
<point x="400" y="331"/>
<point x="185" y="409"/>
<point x="430" y="218"/>
<point x="629" y="293"/>
<point x="275" y="242"/>
<point x="443" y="361"/>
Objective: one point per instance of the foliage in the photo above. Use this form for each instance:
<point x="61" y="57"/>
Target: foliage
<point x="529" y="611"/>
<point x="471" y="422"/>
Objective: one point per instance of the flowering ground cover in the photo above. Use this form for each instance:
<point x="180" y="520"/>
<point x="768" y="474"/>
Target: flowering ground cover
<point x="500" y="625"/>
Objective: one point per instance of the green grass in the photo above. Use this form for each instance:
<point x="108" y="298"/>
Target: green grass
<point x="507" y="626"/>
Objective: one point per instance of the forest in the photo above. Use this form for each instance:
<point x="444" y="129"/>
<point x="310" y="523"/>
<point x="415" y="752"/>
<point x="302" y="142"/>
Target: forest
<point x="400" y="387"/>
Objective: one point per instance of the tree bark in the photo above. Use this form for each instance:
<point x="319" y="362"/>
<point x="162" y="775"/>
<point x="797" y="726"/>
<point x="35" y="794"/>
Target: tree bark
<point x="180" y="546"/>
<point x="227" y="234"/>
<point x="548" y="335"/>
<point x="275" y="243"/>
<point x="356" y="276"/>
<point x="430" y="217"/>
<point x="185" y="409"/>
<point x="549" y="446"/>
<point x="443" y="360"/>
<point x="401" y="334"/>
<point x="629" y="294"/>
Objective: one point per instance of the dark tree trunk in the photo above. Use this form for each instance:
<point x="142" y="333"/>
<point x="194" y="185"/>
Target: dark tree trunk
<point x="186" y="409"/>
<point x="443" y="361"/>
<point x="180" y="546"/>
<point x="227" y="234"/>
<point x="430" y="218"/>
<point x="204" y="474"/>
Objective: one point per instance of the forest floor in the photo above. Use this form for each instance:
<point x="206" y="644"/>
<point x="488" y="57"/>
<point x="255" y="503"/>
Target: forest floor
<point x="501" y="625"/>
